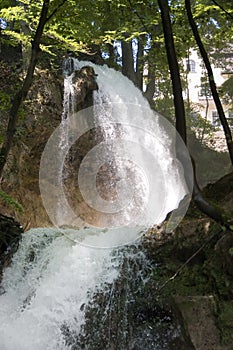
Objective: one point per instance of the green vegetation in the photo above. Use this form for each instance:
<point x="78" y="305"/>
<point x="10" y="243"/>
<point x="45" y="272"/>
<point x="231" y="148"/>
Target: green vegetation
<point x="225" y="321"/>
<point x="10" y="201"/>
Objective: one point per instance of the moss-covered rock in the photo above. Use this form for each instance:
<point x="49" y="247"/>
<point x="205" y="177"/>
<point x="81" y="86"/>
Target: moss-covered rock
<point x="225" y="321"/>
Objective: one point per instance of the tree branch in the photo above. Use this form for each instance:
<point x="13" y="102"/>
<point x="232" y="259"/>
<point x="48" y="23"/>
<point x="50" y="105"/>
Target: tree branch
<point x="139" y="16"/>
<point x="202" y="204"/>
<point x="222" y="8"/>
<point x="174" y="69"/>
<point x="226" y="128"/>
<point x="180" y="269"/>
<point x="55" y="10"/>
<point x="21" y="95"/>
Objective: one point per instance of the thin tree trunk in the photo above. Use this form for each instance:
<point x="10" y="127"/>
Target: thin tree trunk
<point x="226" y="128"/>
<point x="21" y="95"/>
<point x="26" y="51"/>
<point x="111" y="52"/>
<point x="206" y="117"/>
<point x="150" y="88"/>
<point x="201" y="203"/>
<point x="127" y="60"/>
<point x="139" y="68"/>
<point x="174" y="69"/>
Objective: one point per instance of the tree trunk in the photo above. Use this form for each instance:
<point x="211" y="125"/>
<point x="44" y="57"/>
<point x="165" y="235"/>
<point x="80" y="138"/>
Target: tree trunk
<point x="26" y="51"/>
<point x="201" y="203"/>
<point x="150" y="88"/>
<point x="111" y="52"/>
<point x="226" y="128"/>
<point x="139" y="63"/>
<point x="21" y="95"/>
<point x="174" y="69"/>
<point x="127" y="60"/>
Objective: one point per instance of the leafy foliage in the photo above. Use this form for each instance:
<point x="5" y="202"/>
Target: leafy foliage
<point x="10" y="201"/>
<point x="227" y="91"/>
<point x="76" y="27"/>
<point x="5" y="101"/>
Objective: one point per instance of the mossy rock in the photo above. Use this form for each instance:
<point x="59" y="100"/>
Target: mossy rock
<point x="225" y="322"/>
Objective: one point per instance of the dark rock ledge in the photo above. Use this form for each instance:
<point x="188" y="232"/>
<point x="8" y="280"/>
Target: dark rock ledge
<point x="10" y="235"/>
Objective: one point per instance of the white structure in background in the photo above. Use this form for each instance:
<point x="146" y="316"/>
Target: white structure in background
<point x="198" y="92"/>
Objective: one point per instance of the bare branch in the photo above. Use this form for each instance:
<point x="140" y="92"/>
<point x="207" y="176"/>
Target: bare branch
<point x="139" y="16"/>
<point x="22" y="93"/>
<point x="189" y="259"/>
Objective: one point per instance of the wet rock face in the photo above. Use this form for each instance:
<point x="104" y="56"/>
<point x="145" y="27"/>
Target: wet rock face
<point x="10" y="235"/>
<point x="199" y="320"/>
<point x="43" y="110"/>
<point x="129" y="314"/>
<point x="84" y="82"/>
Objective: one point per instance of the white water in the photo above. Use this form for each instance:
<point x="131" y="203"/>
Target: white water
<point x="138" y="143"/>
<point x="51" y="278"/>
<point x="46" y="287"/>
<point x="63" y="146"/>
<point x="149" y="140"/>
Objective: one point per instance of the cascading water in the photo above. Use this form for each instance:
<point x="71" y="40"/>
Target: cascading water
<point x="46" y="287"/>
<point x="62" y="296"/>
<point x="58" y="294"/>
<point x="138" y="147"/>
<point x="68" y="103"/>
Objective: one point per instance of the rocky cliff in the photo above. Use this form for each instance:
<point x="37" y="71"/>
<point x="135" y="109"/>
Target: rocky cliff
<point x="40" y="115"/>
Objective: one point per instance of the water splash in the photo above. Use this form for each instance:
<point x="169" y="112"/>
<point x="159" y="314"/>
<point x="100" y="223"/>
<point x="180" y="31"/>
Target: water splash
<point x="61" y="296"/>
<point x="44" y="289"/>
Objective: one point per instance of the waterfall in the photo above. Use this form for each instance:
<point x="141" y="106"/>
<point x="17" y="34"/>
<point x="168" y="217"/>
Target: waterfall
<point x="68" y="103"/>
<point x="60" y="294"/>
<point x="138" y="153"/>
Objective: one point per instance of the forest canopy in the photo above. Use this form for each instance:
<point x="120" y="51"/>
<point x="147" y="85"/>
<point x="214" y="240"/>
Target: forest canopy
<point x="128" y="35"/>
<point x="75" y="25"/>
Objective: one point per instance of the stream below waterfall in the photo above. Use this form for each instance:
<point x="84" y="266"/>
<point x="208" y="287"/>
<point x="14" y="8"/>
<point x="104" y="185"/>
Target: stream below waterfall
<point x="61" y="295"/>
